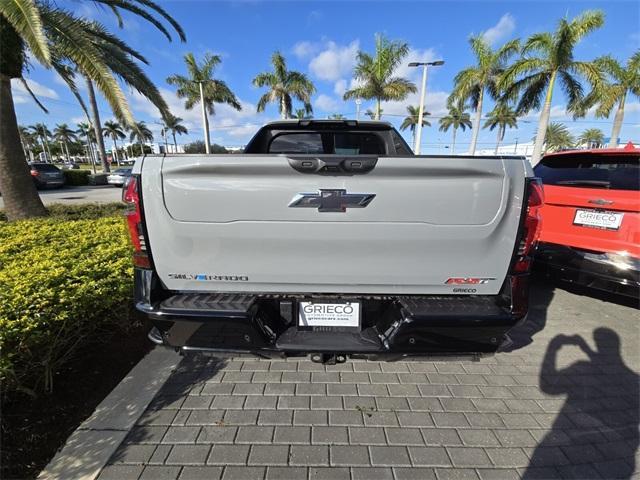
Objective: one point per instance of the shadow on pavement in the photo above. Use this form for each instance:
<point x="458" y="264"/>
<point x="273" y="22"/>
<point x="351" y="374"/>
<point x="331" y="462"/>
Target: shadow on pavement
<point x="541" y="294"/>
<point x="181" y="390"/>
<point x="597" y="427"/>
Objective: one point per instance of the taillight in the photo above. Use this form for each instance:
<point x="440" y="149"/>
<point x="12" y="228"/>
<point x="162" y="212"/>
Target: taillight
<point x="133" y="213"/>
<point x="35" y="173"/>
<point x="531" y="227"/>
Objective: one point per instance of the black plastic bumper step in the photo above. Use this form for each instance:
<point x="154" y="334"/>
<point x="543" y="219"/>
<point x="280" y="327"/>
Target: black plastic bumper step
<point x="341" y="342"/>
<point x="452" y="307"/>
<point x="216" y="304"/>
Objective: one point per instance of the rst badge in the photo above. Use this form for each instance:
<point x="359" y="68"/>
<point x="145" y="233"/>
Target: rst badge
<point x="331" y="200"/>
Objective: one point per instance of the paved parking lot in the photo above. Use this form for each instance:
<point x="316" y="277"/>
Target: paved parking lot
<point x="77" y="195"/>
<point x="563" y="404"/>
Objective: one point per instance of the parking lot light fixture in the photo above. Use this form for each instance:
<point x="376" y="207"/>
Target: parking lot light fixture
<point x="424" y="65"/>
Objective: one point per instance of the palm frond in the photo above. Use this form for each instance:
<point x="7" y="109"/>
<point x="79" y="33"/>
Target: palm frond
<point x="24" y="16"/>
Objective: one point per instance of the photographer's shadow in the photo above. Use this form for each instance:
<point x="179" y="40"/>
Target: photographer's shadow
<point x="596" y="432"/>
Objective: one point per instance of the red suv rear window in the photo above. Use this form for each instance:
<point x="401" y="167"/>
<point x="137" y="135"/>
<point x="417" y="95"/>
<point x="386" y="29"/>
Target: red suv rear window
<point x="614" y="172"/>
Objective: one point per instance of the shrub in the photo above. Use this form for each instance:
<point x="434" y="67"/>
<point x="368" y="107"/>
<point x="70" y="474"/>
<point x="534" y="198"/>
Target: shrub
<point x="76" y="177"/>
<point x="63" y="284"/>
<point x="84" y="211"/>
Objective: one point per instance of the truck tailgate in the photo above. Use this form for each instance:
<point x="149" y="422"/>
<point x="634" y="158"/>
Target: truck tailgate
<point x="227" y="223"/>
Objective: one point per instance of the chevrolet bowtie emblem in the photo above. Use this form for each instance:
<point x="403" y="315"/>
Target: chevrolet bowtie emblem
<point x="331" y="200"/>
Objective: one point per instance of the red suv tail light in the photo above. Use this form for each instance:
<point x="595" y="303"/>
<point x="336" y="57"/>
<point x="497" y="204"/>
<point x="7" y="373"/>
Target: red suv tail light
<point x="133" y="213"/>
<point x="531" y="228"/>
<point x="34" y="173"/>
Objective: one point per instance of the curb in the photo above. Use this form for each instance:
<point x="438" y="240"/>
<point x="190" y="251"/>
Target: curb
<point x="89" y="447"/>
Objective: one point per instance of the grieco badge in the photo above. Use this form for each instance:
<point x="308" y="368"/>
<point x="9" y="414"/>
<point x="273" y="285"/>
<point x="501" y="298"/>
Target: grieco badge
<point x="331" y="200"/>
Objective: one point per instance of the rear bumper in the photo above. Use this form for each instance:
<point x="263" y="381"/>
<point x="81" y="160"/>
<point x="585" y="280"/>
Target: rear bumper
<point x="599" y="270"/>
<point x="266" y="325"/>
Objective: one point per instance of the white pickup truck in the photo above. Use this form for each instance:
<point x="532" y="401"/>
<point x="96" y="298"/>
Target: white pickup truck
<point x="332" y="238"/>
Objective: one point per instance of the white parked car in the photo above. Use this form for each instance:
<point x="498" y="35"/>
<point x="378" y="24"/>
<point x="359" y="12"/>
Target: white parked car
<point x="119" y="176"/>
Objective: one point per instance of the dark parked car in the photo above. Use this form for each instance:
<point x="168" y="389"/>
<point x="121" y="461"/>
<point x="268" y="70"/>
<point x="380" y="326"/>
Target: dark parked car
<point x="46" y="175"/>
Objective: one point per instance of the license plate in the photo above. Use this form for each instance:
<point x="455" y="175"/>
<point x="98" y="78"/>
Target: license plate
<point x="598" y="219"/>
<point x="325" y="314"/>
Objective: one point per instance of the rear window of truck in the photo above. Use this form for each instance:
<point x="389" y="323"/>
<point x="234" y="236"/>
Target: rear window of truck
<point x="614" y="172"/>
<point x="340" y="143"/>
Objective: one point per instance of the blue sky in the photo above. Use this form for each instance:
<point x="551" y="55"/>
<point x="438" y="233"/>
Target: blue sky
<point x="322" y="39"/>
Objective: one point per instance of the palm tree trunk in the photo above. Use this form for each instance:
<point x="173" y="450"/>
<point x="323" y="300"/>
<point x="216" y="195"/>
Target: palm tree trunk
<point x="543" y="123"/>
<point x="175" y="144"/>
<point x="46" y="144"/>
<point x="97" y="128"/>
<point x="617" y="122"/>
<point x="115" y="145"/>
<point x="66" y="151"/>
<point x="476" y="125"/>
<point x="377" y="109"/>
<point x="453" y="145"/>
<point x="21" y="200"/>
<point x="141" y="148"/>
<point x="283" y="108"/>
<point x="499" y="139"/>
<point x="205" y="120"/>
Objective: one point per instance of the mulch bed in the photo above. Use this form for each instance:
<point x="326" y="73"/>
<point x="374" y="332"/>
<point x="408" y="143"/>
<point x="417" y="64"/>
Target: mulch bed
<point x="34" y="429"/>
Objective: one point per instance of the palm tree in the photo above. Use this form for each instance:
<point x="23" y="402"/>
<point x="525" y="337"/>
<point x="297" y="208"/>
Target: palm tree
<point x="42" y="32"/>
<point x="613" y="93"/>
<point x="472" y="82"/>
<point x="557" y="137"/>
<point x="502" y="116"/>
<point x="547" y="58"/>
<point x="591" y="137"/>
<point x="337" y="116"/>
<point x="115" y="132"/>
<point x="29" y="140"/>
<point x="375" y="74"/>
<point x="199" y="86"/>
<point x="174" y="125"/>
<point x="457" y="118"/>
<point x="140" y="133"/>
<point x="301" y="114"/>
<point x="372" y="114"/>
<point x="44" y="134"/>
<point x="283" y="86"/>
<point x="411" y="121"/>
<point x="85" y="130"/>
<point x="63" y="134"/>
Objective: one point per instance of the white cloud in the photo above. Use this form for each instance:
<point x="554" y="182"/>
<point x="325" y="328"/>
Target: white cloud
<point x="340" y="87"/>
<point x="505" y="26"/>
<point x="335" y="61"/>
<point x="304" y="50"/>
<point x="325" y="103"/>
<point x="37" y="88"/>
<point x="435" y="103"/>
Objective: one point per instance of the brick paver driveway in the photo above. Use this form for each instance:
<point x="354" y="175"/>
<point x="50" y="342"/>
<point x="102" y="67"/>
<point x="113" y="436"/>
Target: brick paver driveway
<point x="563" y="403"/>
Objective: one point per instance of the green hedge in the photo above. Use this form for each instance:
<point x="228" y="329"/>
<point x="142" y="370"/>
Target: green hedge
<point x="76" y="177"/>
<point x="63" y="284"/>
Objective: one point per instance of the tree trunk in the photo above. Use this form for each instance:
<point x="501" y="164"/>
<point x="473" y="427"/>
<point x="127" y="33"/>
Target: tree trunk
<point x="116" y="155"/>
<point x="48" y="150"/>
<point x="377" y="109"/>
<point x="141" y="148"/>
<point x="283" y="108"/>
<point x="97" y="128"/>
<point x="543" y="123"/>
<point x="205" y="121"/>
<point x="175" y="144"/>
<point x="476" y="125"/>
<point x="453" y="145"/>
<point x="617" y="123"/>
<point x="500" y="133"/>
<point x="66" y="151"/>
<point x="21" y="199"/>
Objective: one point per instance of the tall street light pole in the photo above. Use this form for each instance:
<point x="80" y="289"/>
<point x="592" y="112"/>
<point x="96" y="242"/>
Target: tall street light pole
<point x="424" y="66"/>
<point x="205" y="122"/>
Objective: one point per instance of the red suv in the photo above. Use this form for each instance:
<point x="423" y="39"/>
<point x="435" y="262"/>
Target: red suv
<point x="591" y="218"/>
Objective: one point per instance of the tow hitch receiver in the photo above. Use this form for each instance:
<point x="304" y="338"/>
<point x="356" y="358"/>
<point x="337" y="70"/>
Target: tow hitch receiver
<point x="328" y="358"/>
